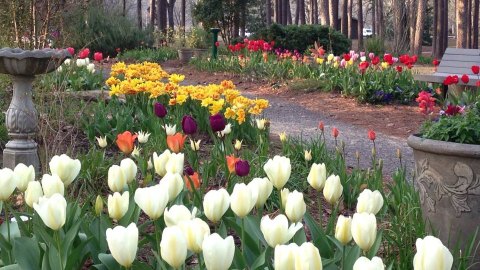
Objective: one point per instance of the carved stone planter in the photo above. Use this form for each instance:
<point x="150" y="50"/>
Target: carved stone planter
<point x="21" y="116"/>
<point x="185" y="55"/>
<point x="447" y="177"/>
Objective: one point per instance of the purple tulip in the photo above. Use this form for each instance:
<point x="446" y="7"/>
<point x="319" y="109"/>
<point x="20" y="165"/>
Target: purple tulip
<point x="159" y="110"/>
<point x="188" y="171"/>
<point x="189" y="125"/>
<point x="242" y="168"/>
<point x="217" y="122"/>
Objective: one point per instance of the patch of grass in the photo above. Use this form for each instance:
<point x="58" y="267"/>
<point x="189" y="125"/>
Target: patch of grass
<point x="306" y="85"/>
<point x="161" y="54"/>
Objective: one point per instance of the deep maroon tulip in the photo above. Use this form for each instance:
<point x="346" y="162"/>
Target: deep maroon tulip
<point x="189" y="125"/>
<point x="188" y="171"/>
<point x="217" y="122"/>
<point x="160" y="110"/>
<point x="242" y="168"/>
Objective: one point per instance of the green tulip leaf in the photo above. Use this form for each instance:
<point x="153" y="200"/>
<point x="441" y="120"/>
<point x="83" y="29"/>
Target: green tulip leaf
<point x="68" y="240"/>
<point x="318" y="236"/>
<point x="238" y="259"/>
<point x="13" y="267"/>
<point x="376" y="245"/>
<point x="14" y="230"/>
<point x="54" y="259"/>
<point x="27" y="253"/>
<point x="299" y="238"/>
<point x="351" y="256"/>
<point x="79" y="254"/>
<point x="252" y="227"/>
<point x="108" y="261"/>
<point x="259" y="262"/>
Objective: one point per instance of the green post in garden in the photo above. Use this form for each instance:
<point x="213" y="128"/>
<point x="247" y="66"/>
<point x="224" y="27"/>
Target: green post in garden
<point x="215" y="32"/>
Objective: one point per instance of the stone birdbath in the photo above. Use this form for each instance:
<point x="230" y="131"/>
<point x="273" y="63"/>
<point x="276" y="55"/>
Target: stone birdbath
<point x="21" y="117"/>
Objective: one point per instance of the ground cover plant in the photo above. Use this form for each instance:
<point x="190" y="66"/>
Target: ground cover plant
<point x="151" y="55"/>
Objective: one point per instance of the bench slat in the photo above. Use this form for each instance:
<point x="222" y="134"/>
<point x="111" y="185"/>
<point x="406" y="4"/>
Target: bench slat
<point x="455" y="70"/>
<point x="439" y="77"/>
<point x="462" y="51"/>
<point x="461" y="58"/>
<point x="457" y="64"/>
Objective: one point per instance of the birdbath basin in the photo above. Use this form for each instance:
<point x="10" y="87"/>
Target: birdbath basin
<point x="21" y="117"/>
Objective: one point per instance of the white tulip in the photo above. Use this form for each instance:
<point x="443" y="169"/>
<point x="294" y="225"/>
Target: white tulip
<point x="432" y="254"/>
<point x="333" y="189"/>
<point x="364" y="230"/>
<point x="308" y="155"/>
<point x="363" y="263"/>
<point x="226" y="130"/>
<point x="116" y="179"/>
<point x="177" y="214"/>
<point x="173" y="184"/>
<point x="276" y="231"/>
<point x="173" y="247"/>
<point x="284" y="196"/>
<point x="33" y="193"/>
<point x="23" y="175"/>
<point x="195" y="145"/>
<point x="243" y="199"/>
<point x="7" y="184"/>
<point x="264" y="187"/>
<point x="91" y="67"/>
<point x="343" y="230"/>
<point x="261" y="123"/>
<point x="123" y="243"/>
<point x="102" y="141"/>
<point x="118" y="205"/>
<point x="159" y="162"/>
<point x="284" y="256"/>
<point x="152" y="200"/>
<point x="308" y="257"/>
<point x="295" y="206"/>
<point x="135" y="152"/>
<point x="369" y="202"/>
<point x="52" y="184"/>
<point x="129" y="169"/>
<point x="67" y="62"/>
<point x="66" y="168"/>
<point x="195" y="231"/>
<point x="218" y="252"/>
<point x="81" y="62"/>
<point x="143" y="137"/>
<point x="317" y="176"/>
<point x="52" y="211"/>
<point x="175" y="163"/>
<point x="171" y="129"/>
<point x="278" y="171"/>
<point x="215" y="204"/>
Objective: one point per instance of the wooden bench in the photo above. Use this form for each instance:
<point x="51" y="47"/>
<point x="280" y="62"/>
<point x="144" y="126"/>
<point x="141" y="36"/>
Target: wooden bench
<point x="454" y="62"/>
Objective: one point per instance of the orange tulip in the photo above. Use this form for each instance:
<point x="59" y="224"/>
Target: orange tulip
<point x="175" y="142"/>
<point x="195" y="180"/>
<point x="125" y="142"/>
<point x="231" y="160"/>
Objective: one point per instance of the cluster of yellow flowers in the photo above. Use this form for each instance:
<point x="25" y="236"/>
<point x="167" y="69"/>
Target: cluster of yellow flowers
<point x="151" y="79"/>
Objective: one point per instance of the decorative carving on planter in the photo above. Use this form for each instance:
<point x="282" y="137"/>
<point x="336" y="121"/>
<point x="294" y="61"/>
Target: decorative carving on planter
<point x="429" y="179"/>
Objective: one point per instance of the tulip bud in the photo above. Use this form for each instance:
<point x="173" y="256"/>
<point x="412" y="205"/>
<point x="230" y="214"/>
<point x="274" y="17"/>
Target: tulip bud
<point x="374" y="152"/>
<point x="399" y="153"/>
<point x="217" y="252"/>
<point x="376" y="263"/>
<point x="175" y="163"/>
<point x="135" y="152"/>
<point x="317" y="176"/>
<point x="369" y="202"/>
<point x="284" y="196"/>
<point x="143" y="136"/>
<point x="118" y="205"/>
<point x="264" y="188"/>
<point x="308" y="155"/>
<point x="284" y="256"/>
<point x="52" y="211"/>
<point x="149" y="164"/>
<point x="261" y="123"/>
<point x="432" y="254"/>
<point x="243" y="199"/>
<point x="364" y="230"/>
<point x="215" y="204"/>
<point x="371" y="135"/>
<point x="335" y="132"/>
<point x="173" y="247"/>
<point x="116" y="179"/>
<point x="189" y="125"/>
<point x="343" y="230"/>
<point x="308" y="257"/>
<point x="160" y="161"/>
<point x="173" y="184"/>
<point x="217" y="122"/>
<point x="7" y="183"/>
<point x="102" y="141"/>
<point x="159" y="110"/>
<point x="129" y="169"/>
<point x="98" y="205"/>
<point x="22" y="175"/>
<point x="33" y="193"/>
<point x="195" y="145"/>
<point x="283" y="137"/>
<point x="195" y="232"/>
<point x="226" y="130"/>
<point x="333" y="189"/>
<point x="52" y="184"/>
<point x="238" y="145"/>
<point x="66" y="168"/>
<point x="295" y="206"/>
<point x="123" y="243"/>
<point x="177" y="214"/>
<point x="91" y="67"/>
<point x="278" y="171"/>
<point x="171" y="130"/>
<point x="152" y="200"/>
<point x="242" y="167"/>
<point x="357" y="155"/>
<point x="276" y="231"/>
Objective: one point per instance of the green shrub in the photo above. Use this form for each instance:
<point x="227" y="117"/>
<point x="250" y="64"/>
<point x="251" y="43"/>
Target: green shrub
<point x="4" y="100"/>
<point x="375" y="45"/>
<point x="152" y="55"/>
<point x="105" y="31"/>
<point x="197" y="38"/>
<point x="301" y="37"/>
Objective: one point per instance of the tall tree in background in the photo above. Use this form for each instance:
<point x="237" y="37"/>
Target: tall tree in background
<point x="350" y="18"/>
<point x="418" y="40"/>
<point x="469" y="23"/>
<point x="374" y="18"/>
<point x="300" y="12"/>
<point x="400" y="27"/>
<point x="344" y="21"/>
<point x="360" y="25"/>
<point x="285" y="4"/>
<point x="183" y="12"/>
<point x="152" y="13"/>
<point x="462" y="23"/>
<point x="333" y="8"/>
<point x="476" y="7"/>
<point x="124" y="8"/>
<point x="268" y="12"/>
<point x="139" y="14"/>
<point x="314" y="13"/>
<point x="162" y="15"/>
<point x="441" y="32"/>
<point x="380" y="20"/>
<point x="324" y="13"/>
<point x="412" y="21"/>
<point x="170" y="10"/>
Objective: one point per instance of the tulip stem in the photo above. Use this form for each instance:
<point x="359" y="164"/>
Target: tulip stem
<point x="320" y="208"/>
<point x="243" y="237"/>
<point x="343" y="257"/>
<point x="200" y="261"/>
<point x="7" y="220"/>
<point x="57" y="240"/>
<point x="280" y="207"/>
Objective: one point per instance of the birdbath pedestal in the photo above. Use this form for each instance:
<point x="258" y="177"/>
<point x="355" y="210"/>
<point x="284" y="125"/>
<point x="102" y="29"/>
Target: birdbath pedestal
<point x="21" y="117"/>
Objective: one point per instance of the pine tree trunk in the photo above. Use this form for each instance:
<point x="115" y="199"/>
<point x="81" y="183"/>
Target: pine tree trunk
<point x="243" y="19"/>
<point x="445" y="26"/>
<point x="360" y="25"/>
<point x="278" y="11"/>
<point x="289" y="13"/>
<point x="469" y="23"/>
<point x="400" y="27"/>
<point x="374" y="18"/>
<point x="314" y="13"/>
<point x="461" y="23"/>
<point x="421" y="11"/>
<point x="380" y="20"/>
<point x="171" y="9"/>
<point x="124" y="8"/>
<point x="301" y="11"/>
<point x="285" y="11"/>
<point x="344" y="21"/>
<point x="139" y="14"/>
<point x="333" y="8"/>
<point x="268" y="12"/>
<point x="324" y="13"/>
<point x="183" y="11"/>
<point x="476" y="7"/>
<point x="297" y="12"/>
<point x="435" y="28"/>
<point x="152" y="13"/>
<point x="349" y="18"/>
<point x="412" y="23"/>
<point x="440" y="31"/>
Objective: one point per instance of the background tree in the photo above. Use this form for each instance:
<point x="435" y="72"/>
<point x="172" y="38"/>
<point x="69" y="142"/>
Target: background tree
<point x="462" y="32"/>
<point x="333" y="10"/>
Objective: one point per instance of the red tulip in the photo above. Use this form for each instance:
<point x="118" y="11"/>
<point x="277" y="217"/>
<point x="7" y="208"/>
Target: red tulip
<point x="363" y="66"/>
<point x="375" y="60"/>
<point x="335" y="132"/>
<point x="176" y="142"/>
<point x="194" y="178"/>
<point x="217" y="44"/>
<point x="465" y="78"/>
<point x="371" y="135"/>
<point x="125" y="142"/>
<point x="399" y="69"/>
<point x="435" y="62"/>
<point x="231" y="161"/>
<point x="475" y="69"/>
<point x="321" y="126"/>
<point x="98" y="56"/>
<point x="71" y="51"/>
<point x="84" y="53"/>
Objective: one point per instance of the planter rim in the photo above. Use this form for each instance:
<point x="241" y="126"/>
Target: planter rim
<point x="17" y="53"/>
<point x="445" y="148"/>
